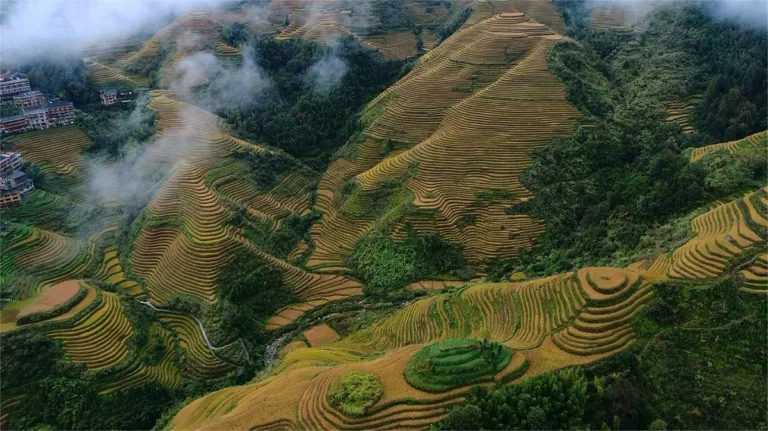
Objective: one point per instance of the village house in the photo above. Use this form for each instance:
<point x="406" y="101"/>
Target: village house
<point x="108" y="97"/>
<point x="29" y="99"/>
<point x="15" y="186"/>
<point x="13" y="83"/>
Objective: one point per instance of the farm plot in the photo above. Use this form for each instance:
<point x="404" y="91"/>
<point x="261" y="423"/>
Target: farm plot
<point x="165" y="371"/>
<point x="575" y="318"/>
<point x="56" y="150"/>
<point x="757" y="140"/>
<point x="611" y="18"/>
<point x="112" y="272"/>
<point x="111" y="77"/>
<point x="196" y="27"/>
<point x="680" y="112"/>
<point x="200" y="361"/>
<point x="754" y="278"/>
<point x="723" y="233"/>
<point x="50" y="256"/>
<point x="459" y="104"/>
<point x="394" y="46"/>
<point x="184" y="242"/>
<point x="97" y="339"/>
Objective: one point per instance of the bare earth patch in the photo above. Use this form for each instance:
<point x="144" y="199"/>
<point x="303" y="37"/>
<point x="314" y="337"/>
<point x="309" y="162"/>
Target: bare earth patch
<point x="52" y="297"/>
<point x="320" y="334"/>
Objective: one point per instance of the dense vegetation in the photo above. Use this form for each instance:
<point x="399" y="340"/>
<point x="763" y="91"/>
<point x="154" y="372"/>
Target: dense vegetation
<point x="604" y="188"/>
<point x="116" y="131"/>
<point x="356" y="392"/>
<point x="35" y="365"/>
<point x="687" y="371"/>
<point x="67" y="78"/>
<point x="308" y="118"/>
<point x="551" y="401"/>
<point x="386" y="265"/>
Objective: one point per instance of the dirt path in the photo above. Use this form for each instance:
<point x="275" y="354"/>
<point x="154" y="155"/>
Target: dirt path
<point x="213" y="348"/>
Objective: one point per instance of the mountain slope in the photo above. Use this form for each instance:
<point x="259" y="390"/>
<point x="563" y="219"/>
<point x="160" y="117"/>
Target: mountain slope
<point x="484" y="97"/>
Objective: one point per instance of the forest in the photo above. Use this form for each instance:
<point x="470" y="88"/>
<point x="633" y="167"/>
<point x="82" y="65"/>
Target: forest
<point x="307" y="119"/>
<point x="604" y="188"/>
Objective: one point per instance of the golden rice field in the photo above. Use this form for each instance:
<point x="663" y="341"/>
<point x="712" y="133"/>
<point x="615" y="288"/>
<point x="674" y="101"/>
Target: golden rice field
<point x="185" y="242"/>
<point x="56" y="150"/>
<point x="754" y="277"/>
<point x="680" y="112"/>
<point x="165" y="371"/>
<point x="726" y="231"/>
<point x="51" y="257"/>
<point x="484" y="96"/>
<point x="563" y="320"/>
<point x="568" y="319"/>
<point x="97" y="339"/>
<point x="111" y="77"/>
<point x="198" y="26"/>
<point x="394" y="46"/>
<point x="112" y="272"/>
<point x="759" y="139"/>
<point x="200" y="361"/>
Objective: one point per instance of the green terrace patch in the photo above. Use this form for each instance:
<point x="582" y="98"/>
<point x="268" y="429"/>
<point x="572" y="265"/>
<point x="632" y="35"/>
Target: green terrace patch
<point x="453" y="363"/>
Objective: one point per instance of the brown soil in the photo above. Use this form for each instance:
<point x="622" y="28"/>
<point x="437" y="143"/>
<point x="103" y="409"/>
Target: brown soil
<point x="320" y="334"/>
<point x="54" y="296"/>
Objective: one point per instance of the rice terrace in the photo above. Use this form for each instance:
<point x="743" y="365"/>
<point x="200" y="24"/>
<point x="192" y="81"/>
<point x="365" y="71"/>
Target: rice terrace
<point x="384" y="214"/>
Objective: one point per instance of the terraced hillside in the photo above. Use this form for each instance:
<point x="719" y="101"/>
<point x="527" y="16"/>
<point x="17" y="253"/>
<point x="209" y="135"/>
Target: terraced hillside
<point x="568" y="319"/>
<point x="192" y="32"/>
<point x="484" y="97"/>
<point x="112" y="77"/>
<point x="549" y="323"/>
<point x="184" y="238"/>
<point x="680" y="112"/>
<point x="722" y="234"/>
<point x="756" y="140"/>
<point x="55" y="150"/>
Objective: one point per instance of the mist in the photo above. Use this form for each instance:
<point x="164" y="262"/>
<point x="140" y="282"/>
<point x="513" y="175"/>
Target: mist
<point x="32" y="29"/>
<point x="750" y="13"/>
<point x="327" y="73"/>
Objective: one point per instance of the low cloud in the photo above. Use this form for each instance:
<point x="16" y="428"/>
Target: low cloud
<point x="327" y="73"/>
<point x="223" y="87"/>
<point x="751" y="13"/>
<point x="37" y="28"/>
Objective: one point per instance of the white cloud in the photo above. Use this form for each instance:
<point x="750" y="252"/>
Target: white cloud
<point x="36" y="28"/>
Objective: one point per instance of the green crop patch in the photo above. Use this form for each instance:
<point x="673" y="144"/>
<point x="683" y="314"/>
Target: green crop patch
<point x="450" y="364"/>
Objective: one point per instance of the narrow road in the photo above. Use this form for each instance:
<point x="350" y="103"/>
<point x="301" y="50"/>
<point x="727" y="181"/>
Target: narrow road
<point x="149" y="304"/>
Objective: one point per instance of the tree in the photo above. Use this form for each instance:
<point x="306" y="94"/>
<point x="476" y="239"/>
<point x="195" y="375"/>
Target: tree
<point x="465" y="417"/>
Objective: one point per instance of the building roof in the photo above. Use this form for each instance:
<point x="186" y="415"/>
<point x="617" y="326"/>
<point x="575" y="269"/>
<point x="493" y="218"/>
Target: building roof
<point x="110" y="92"/>
<point x="12" y="118"/>
<point x="31" y="112"/>
<point x="9" y="76"/>
<point x="58" y="104"/>
<point x="18" y="175"/>
<point x="28" y="93"/>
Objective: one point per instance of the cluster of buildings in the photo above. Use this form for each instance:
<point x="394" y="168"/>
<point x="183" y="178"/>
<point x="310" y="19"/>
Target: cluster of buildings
<point x="14" y="183"/>
<point x="112" y="96"/>
<point x="37" y="112"/>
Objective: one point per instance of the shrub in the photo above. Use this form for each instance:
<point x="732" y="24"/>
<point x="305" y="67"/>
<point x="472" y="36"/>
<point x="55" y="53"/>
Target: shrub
<point x="356" y="392"/>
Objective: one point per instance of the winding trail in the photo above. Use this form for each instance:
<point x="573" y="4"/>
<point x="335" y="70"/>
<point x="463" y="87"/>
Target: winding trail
<point x="213" y="348"/>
